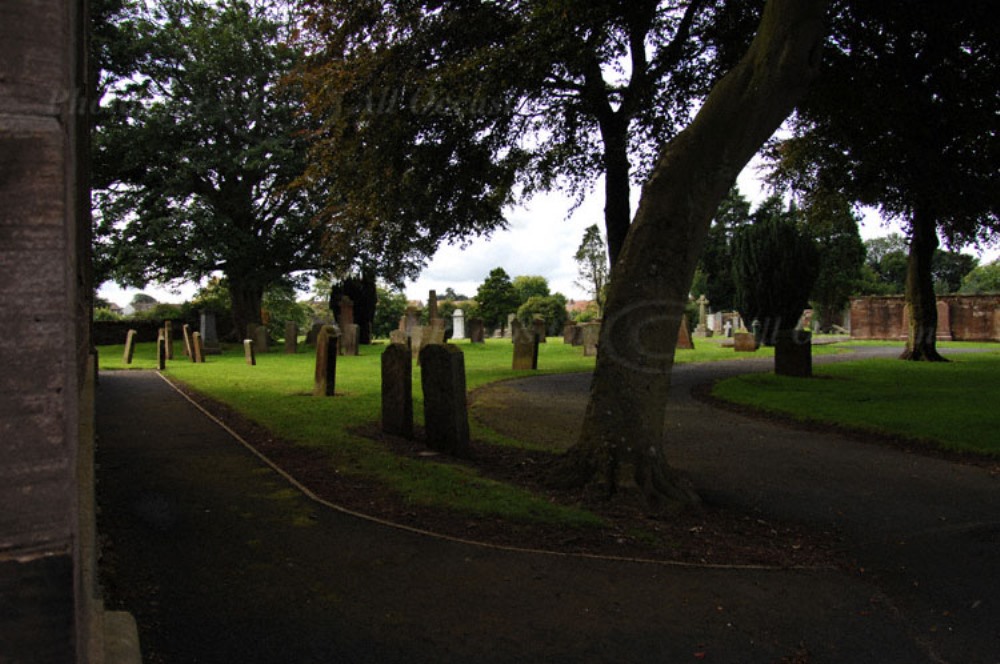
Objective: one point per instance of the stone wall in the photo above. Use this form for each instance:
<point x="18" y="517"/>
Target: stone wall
<point x="50" y="603"/>
<point x="960" y="317"/>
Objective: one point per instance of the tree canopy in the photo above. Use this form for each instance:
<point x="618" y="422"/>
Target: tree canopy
<point x="497" y="298"/>
<point x="433" y="117"/>
<point x="196" y="150"/>
<point x="592" y="265"/>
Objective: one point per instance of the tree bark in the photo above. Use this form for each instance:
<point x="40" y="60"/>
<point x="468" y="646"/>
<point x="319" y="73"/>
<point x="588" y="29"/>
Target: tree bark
<point x="246" y="298"/>
<point x="617" y="194"/>
<point x="621" y="446"/>
<point x="921" y="337"/>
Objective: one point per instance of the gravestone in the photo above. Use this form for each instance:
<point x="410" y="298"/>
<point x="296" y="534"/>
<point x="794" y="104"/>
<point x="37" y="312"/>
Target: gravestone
<point x="743" y="342"/>
<point x="411" y="320"/>
<point x="248" y="352"/>
<point x="397" y="391"/>
<point x="538" y="325"/>
<point x="702" y="329"/>
<point x="313" y="332"/>
<point x="261" y="338"/>
<point x="513" y="327"/>
<point x="432" y="305"/>
<point x="569" y="331"/>
<point x="291" y="338"/>
<point x="578" y="335"/>
<point x="197" y="347"/>
<point x="446" y="419"/>
<point x="436" y="332"/>
<point x="508" y="332"/>
<point x="326" y="361"/>
<point x="591" y="333"/>
<point x="458" y="324"/>
<point x="477" y="331"/>
<point x="129" y="346"/>
<point x="684" y="341"/>
<point x="525" y="350"/>
<point x="416" y="340"/>
<point x="168" y="338"/>
<point x="728" y="329"/>
<point x="161" y="351"/>
<point x="793" y="353"/>
<point x="346" y="316"/>
<point x="186" y="332"/>
<point x="398" y="337"/>
<point x="209" y="334"/>
<point x="349" y="339"/>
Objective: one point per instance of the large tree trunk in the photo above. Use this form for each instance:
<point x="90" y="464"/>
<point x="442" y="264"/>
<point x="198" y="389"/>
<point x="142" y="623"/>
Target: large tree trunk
<point x="921" y="337"/>
<point x="246" y="298"/>
<point x="621" y="445"/>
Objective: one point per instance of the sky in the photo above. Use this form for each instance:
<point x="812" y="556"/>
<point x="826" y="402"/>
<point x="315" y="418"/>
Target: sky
<point x="541" y="240"/>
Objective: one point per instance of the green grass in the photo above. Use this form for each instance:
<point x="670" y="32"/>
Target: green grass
<point x="952" y="405"/>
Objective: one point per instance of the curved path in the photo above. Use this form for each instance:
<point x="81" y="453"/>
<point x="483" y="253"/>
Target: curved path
<point x="222" y="561"/>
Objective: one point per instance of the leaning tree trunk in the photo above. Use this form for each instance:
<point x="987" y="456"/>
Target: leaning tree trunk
<point x="921" y="335"/>
<point x="621" y="445"/>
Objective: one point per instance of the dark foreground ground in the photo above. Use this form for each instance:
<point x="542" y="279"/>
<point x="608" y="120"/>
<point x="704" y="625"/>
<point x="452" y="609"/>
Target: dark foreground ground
<point x="222" y="560"/>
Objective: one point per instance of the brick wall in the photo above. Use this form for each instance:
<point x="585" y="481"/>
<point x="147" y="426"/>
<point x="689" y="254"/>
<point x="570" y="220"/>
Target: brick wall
<point x="961" y="317"/>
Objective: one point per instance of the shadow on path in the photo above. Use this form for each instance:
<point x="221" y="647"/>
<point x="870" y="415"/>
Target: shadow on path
<point x="221" y="560"/>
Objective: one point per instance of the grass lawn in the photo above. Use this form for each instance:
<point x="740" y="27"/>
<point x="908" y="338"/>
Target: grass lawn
<point x="952" y="405"/>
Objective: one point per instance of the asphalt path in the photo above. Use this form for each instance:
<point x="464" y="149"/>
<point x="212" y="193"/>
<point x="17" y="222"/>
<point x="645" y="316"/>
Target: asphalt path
<point x="222" y="560"/>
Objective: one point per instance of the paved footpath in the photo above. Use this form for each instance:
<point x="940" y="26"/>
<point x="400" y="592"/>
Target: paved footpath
<point x="221" y="560"/>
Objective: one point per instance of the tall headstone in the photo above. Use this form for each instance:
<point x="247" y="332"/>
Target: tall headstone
<point x="432" y="305"/>
<point x="525" y="350"/>
<point x="161" y="350"/>
<point x="436" y="334"/>
<point x="129" y="347"/>
<point x="508" y="332"/>
<point x="186" y="332"/>
<point x="168" y="338"/>
<point x="411" y="320"/>
<point x="209" y="333"/>
<point x="346" y="315"/>
<point x="248" y="352"/>
<point x="458" y="324"/>
<point x="326" y="361"/>
<point x="569" y="331"/>
<point x="291" y="338"/>
<point x="446" y="418"/>
<point x="261" y="339"/>
<point x="397" y="391"/>
<point x="349" y="339"/>
<point x="477" y="331"/>
<point x="702" y="329"/>
<point x="591" y="334"/>
<point x="538" y="326"/>
<point x="514" y="326"/>
<point x="684" y="341"/>
<point x="198" y="347"/>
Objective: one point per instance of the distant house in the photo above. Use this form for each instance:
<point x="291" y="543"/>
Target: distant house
<point x="579" y="306"/>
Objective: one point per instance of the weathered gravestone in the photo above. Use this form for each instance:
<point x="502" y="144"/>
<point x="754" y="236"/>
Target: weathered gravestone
<point x="161" y="351"/>
<point x="398" y="337"/>
<point x="793" y="353"/>
<point x="197" y="347"/>
<point x="508" y="332"/>
<point x="538" y="325"/>
<point x="209" y="334"/>
<point x="569" y="331"/>
<point x="446" y="419"/>
<point x="326" y="361"/>
<point x="432" y="305"/>
<point x="397" y="391"/>
<point x="129" y="346"/>
<point x="291" y="338"/>
<point x="702" y="329"/>
<point x="743" y="342"/>
<point x="477" y="331"/>
<point x="578" y="334"/>
<point x="684" y="341"/>
<point x="513" y="327"/>
<point x="186" y="332"/>
<point x="168" y="339"/>
<point x="248" y="352"/>
<point x="261" y="338"/>
<point x="591" y="333"/>
<point x="458" y="324"/>
<point x="525" y="350"/>
<point x="349" y="339"/>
